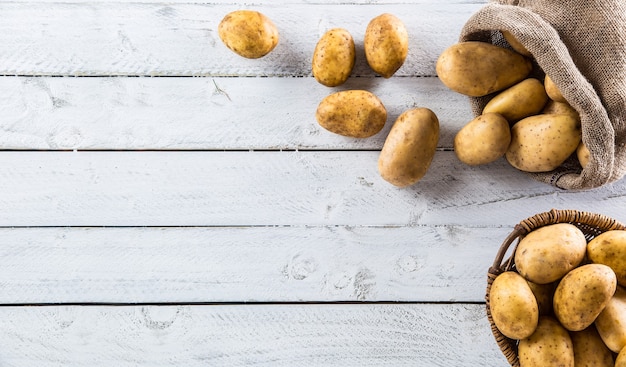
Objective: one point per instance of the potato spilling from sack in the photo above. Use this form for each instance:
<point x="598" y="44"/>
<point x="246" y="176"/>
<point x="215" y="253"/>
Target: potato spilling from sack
<point x="248" y="33"/>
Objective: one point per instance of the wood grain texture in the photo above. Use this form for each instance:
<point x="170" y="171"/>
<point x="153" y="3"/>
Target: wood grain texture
<point x="155" y="39"/>
<point x="246" y="264"/>
<point x="202" y="113"/>
<point x="261" y="335"/>
<point x="270" y="188"/>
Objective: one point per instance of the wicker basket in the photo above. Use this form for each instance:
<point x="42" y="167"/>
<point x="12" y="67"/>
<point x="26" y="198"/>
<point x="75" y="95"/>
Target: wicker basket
<point x="590" y="224"/>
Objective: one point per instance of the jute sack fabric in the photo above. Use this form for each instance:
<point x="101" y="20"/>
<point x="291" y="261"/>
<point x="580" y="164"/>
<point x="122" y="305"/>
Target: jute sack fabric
<point x="581" y="45"/>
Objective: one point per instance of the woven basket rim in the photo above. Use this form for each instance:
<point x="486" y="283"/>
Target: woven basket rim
<point x="589" y="222"/>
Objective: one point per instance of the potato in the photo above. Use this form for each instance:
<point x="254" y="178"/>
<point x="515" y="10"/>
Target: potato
<point x="334" y="57"/>
<point x="553" y="91"/>
<point x="524" y="99"/>
<point x="560" y="108"/>
<point x="248" y="33"/>
<point x="483" y="140"/>
<point x="515" y="44"/>
<point x="582" y="294"/>
<point x="583" y="154"/>
<point x="590" y="350"/>
<point x="513" y="306"/>
<point x="547" y="253"/>
<point x="549" y="345"/>
<point x="541" y="143"/>
<point x="609" y="248"/>
<point x="353" y="113"/>
<point x="544" y="294"/>
<point x="386" y="44"/>
<point x="410" y="147"/>
<point x="611" y="322"/>
<point x="621" y="358"/>
<point x="479" y="68"/>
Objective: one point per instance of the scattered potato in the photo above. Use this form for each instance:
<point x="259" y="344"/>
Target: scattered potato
<point x="353" y="113"/>
<point x="334" y="57"/>
<point x="523" y="99"/>
<point x="248" y="33"/>
<point x="483" y="140"/>
<point x="386" y="44"/>
<point x="609" y="248"/>
<point x="513" y="306"/>
<point x="549" y="345"/>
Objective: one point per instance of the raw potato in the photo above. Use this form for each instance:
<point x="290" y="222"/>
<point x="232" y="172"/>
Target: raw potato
<point x="560" y="108"/>
<point x="353" y="113"/>
<point x="544" y="294"/>
<point x="621" y="359"/>
<point x="524" y="99"/>
<point x="553" y="91"/>
<point x="515" y="44"/>
<point x="386" y="44"/>
<point x="479" y="68"/>
<point x="334" y="57"/>
<point x="483" y="140"/>
<point x="248" y="33"/>
<point x="541" y="143"/>
<point x="583" y="154"/>
<point x="546" y="254"/>
<point x="410" y="147"/>
<point x="590" y="350"/>
<point x="513" y="306"/>
<point x="611" y="323"/>
<point x="609" y="248"/>
<point x="550" y="345"/>
<point x="582" y="294"/>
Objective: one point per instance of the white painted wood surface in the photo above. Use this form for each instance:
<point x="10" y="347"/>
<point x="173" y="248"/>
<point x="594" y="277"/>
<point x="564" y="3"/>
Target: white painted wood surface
<point x="202" y="217"/>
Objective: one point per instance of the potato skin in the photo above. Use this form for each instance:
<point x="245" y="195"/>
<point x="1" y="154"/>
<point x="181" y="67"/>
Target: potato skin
<point x="541" y="143"/>
<point x="609" y="248"/>
<point x="478" y="68"/>
<point x="523" y="99"/>
<point x="410" y="147"/>
<point x="334" y="57"/>
<point x="553" y="91"/>
<point x="386" y="44"/>
<point x="248" y="33"/>
<point x="560" y="108"/>
<point x="546" y="254"/>
<point x="549" y="345"/>
<point x="589" y="349"/>
<point x="483" y="140"/>
<point x="582" y="294"/>
<point x="544" y="294"/>
<point x="611" y="322"/>
<point x="513" y="306"/>
<point x="352" y="113"/>
<point x="583" y="154"/>
<point x="515" y="44"/>
<point x="620" y="361"/>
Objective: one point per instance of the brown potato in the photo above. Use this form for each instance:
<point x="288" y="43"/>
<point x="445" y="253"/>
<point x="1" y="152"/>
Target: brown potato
<point x="386" y="44"/>
<point x="515" y="44"/>
<point x="582" y="294"/>
<point x="620" y="361"/>
<point x="513" y="306"/>
<point x="560" y="108"/>
<point x="483" y="140"/>
<point x="410" y="147"/>
<point x="546" y="254"/>
<point x="549" y="345"/>
<point x="334" y="57"/>
<point x="609" y="248"/>
<point x="544" y="294"/>
<point x="553" y="91"/>
<point x="611" y="322"/>
<point x="248" y="33"/>
<point x="524" y="99"/>
<point x="590" y="350"/>
<point x="479" y="68"/>
<point x="583" y="154"/>
<point x="353" y="113"/>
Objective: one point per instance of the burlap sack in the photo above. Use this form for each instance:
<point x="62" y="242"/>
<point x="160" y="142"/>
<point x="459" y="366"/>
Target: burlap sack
<point x="581" y="45"/>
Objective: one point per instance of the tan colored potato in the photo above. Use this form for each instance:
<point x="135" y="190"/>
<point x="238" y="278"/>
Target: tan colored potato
<point x="560" y="108"/>
<point x="590" y="350"/>
<point x="550" y="345"/>
<point x="410" y="147"/>
<point x="609" y="248"/>
<point x="334" y="57"/>
<point x="553" y="91"/>
<point x="479" y="68"/>
<point x="582" y="294"/>
<point x="515" y="44"/>
<point x="248" y="33"/>
<point x="513" y="306"/>
<point x="544" y="294"/>
<point x="547" y="253"/>
<point x="483" y="140"/>
<point x="611" y="322"/>
<point x="353" y="113"/>
<point x="386" y="44"/>
<point x="620" y="361"/>
<point x="583" y="154"/>
<point x="541" y="143"/>
<point x="524" y="99"/>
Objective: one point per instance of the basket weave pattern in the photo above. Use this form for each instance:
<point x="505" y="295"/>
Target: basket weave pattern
<point x="591" y="224"/>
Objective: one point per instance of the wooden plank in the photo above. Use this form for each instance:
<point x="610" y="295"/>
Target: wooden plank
<point x="201" y="113"/>
<point x="251" y="264"/>
<point x="153" y="39"/>
<point x="262" y="335"/>
<point x="270" y="188"/>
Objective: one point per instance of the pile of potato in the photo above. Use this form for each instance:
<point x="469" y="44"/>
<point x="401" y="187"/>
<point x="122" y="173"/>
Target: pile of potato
<point x="565" y="301"/>
<point x="527" y="120"/>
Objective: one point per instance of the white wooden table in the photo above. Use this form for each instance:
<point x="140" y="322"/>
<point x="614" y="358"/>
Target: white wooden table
<point x="166" y="202"/>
